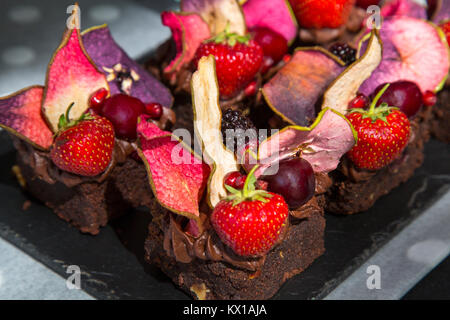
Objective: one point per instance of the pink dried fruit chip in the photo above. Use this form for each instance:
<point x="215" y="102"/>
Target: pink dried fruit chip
<point x="177" y="177"/>
<point x="413" y="50"/>
<point x="188" y="32"/>
<point x="322" y="144"/>
<point x="72" y="77"/>
<point x="20" y="114"/>
<point x="276" y="15"/>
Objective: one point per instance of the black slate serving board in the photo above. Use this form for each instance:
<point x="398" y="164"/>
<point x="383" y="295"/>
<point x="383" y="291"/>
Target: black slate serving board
<point x="112" y="262"/>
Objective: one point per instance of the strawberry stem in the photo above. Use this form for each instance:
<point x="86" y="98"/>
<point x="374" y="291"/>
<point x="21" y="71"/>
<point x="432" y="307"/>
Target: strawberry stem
<point x="230" y="38"/>
<point x="64" y="121"/>
<point x="248" y="192"/>
<point x="376" y="113"/>
<point x="377" y="97"/>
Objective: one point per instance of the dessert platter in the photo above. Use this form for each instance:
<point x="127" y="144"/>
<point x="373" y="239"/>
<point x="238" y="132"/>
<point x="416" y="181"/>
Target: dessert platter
<point x="266" y="143"/>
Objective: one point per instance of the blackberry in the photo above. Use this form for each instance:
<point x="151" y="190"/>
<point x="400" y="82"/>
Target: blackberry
<point x="344" y="52"/>
<point x="235" y="120"/>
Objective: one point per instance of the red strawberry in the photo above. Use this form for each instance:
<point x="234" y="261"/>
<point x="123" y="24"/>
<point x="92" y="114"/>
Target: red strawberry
<point x="83" y="146"/>
<point x="238" y="60"/>
<point x="322" y="13"/>
<point x="383" y="133"/>
<point x="250" y="221"/>
<point x="446" y="29"/>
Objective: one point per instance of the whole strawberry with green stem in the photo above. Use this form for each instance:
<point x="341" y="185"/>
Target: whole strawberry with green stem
<point x="250" y="221"/>
<point x="383" y="133"/>
<point x="238" y="60"/>
<point x="83" y="146"/>
<point x="318" y="14"/>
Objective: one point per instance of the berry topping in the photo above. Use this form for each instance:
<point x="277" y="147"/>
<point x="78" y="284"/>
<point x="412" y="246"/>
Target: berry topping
<point x="359" y="102"/>
<point x="404" y="95"/>
<point x="319" y="14"/>
<point x="344" y="52"/>
<point x="250" y="221"/>
<point x="123" y="111"/>
<point x="295" y="181"/>
<point x="273" y="44"/>
<point x="383" y="133"/>
<point x="251" y="89"/>
<point x="83" y="146"/>
<point x="446" y="29"/>
<point x="237" y="129"/>
<point x="154" y="110"/>
<point x="429" y="98"/>
<point x="238" y="60"/>
<point x="367" y="3"/>
<point x="287" y="58"/>
<point x="98" y="98"/>
<point x="235" y="180"/>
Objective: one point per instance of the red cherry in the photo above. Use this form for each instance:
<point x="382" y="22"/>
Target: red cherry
<point x="235" y="180"/>
<point x="405" y="95"/>
<point x="273" y="44"/>
<point x="98" y="98"/>
<point x="287" y="58"/>
<point x="429" y="98"/>
<point x="250" y="90"/>
<point x="154" y="110"/>
<point x="123" y="111"/>
<point x="359" y="102"/>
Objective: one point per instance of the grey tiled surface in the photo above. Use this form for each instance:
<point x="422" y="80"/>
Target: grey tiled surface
<point x="404" y="260"/>
<point x="23" y="278"/>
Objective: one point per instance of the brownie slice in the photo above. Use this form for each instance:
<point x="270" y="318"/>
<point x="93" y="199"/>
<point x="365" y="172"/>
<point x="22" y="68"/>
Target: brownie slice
<point x="234" y="277"/>
<point x="87" y="203"/>
<point x="356" y="190"/>
<point x="440" y="122"/>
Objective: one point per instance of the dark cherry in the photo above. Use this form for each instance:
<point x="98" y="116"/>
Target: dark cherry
<point x="360" y="102"/>
<point x="274" y="45"/>
<point x="429" y="98"/>
<point x="154" y="110"/>
<point x="295" y="181"/>
<point x="235" y="180"/>
<point x="405" y="95"/>
<point x="123" y="111"/>
<point x="98" y="98"/>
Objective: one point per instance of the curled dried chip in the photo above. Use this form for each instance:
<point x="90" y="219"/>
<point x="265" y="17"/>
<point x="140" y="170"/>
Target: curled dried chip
<point x="297" y="87"/>
<point x="218" y="14"/>
<point x="72" y="77"/>
<point x="413" y="50"/>
<point x="207" y="125"/>
<point x="188" y="31"/>
<point x="322" y="144"/>
<point x="123" y="73"/>
<point x="177" y="177"/>
<point x="442" y="11"/>
<point x="276" y="15"/>
<point x="20" y="114"/>
<point x="346" y="86"/>
<point x="407" y="8"/>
